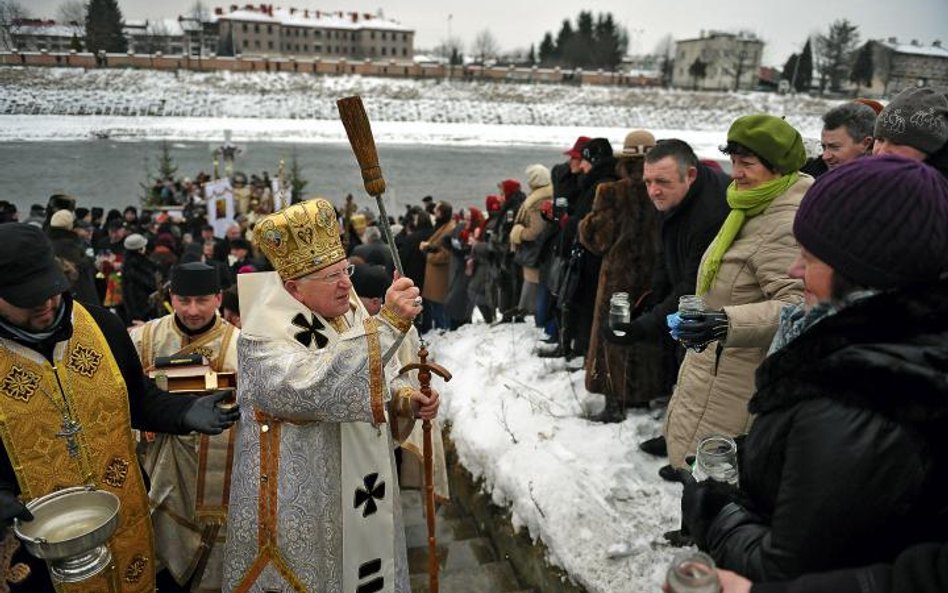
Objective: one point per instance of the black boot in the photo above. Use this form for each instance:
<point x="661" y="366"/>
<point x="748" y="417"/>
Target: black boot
<point x="612" y="413"/>
<point x="657" y="446"/>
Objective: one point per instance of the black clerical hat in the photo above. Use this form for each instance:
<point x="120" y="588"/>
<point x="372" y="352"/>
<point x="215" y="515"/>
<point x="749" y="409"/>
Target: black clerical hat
<point x="194" y="279"/>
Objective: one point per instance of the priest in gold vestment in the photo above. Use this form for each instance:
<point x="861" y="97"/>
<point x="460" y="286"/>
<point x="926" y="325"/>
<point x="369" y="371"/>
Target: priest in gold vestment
<point x="190" y="474"/>
<point x="314" y="501"/>
<point x="71" y="390"/>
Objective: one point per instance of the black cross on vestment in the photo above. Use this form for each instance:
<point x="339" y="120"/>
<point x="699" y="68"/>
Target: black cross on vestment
<point x="309" y="331"/>
<point x="369" y="494"/>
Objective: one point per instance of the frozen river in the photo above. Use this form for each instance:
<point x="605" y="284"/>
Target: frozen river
<point x="109" y="173"/>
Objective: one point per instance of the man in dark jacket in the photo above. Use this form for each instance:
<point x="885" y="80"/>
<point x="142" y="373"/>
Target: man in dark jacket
<point x="844" y="464"/>
<point x="71" y="250"/>
<point x="73" y="390"/>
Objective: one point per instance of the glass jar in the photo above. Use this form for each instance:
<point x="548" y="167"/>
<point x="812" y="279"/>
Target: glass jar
<point x="716" y="459"/>
<point x="692" y="572"/>
<point x="691" y="303"/>
<point x="619" y="311"/>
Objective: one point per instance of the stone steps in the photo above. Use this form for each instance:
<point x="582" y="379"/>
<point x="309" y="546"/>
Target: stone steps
<point x="467" y="561"/>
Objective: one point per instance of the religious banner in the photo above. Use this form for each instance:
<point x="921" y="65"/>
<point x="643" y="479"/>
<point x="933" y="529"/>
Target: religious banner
<point x="220" y="205"/>
<point x="281" y="195"/>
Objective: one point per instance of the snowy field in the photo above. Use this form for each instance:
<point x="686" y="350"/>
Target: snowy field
<point x="75" y="104"/>
<point x="584" y="489"/>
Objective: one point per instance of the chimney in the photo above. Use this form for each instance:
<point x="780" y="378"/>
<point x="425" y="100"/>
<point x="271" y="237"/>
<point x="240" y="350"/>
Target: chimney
<point x="893" y="40"/>
<point x="306" y="13"/>
<point x="292" y="10"/>
<point x="936" y="43"/>
<point x="263" y="9"/>
<point x="354" y="16"/>
<point x="219" y="11"/>
<point x="366" y="16"/>
<point x="233" y="8"/>
<point x="915" y="42"/>
<point x="270" y="9"/>
<point x="319" y="14"/>
<point x="339" y="13"/>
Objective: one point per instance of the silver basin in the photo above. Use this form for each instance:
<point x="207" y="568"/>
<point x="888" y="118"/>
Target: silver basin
<point x="69" y="530"/>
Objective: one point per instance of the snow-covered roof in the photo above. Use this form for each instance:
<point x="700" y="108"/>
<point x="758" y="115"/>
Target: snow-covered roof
<point x="170" y="27"/>
<point x="48" y="30"/>
<point x="314" y="18"/>
<point x="918" y="50"/>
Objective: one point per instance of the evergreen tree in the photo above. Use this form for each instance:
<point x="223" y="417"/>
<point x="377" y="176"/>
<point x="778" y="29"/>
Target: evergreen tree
<point x="104" y="27"/>
<point x="805" y="69"/>
<point x="697" y="70"/>
<point x="75" y="43"/>
<point x="166" y="166"/>
<point x="563" y="38"/>
<point x="297" y="183"/>
<point x="547" y="49"/>
<point x="863" y="68"/>
<point x="532" y="56"/>
<point x="836" y="51"/>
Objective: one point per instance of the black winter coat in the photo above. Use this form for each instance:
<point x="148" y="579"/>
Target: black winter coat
<point x="686" y="233"/>
<point x="138" y="281"/>
<point x="847" y="462"/>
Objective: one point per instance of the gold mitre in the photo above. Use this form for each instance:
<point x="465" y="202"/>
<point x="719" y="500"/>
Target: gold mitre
<point x="301" y="238"/>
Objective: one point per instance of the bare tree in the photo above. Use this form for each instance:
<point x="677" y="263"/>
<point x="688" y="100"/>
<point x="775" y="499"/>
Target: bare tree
<point x="665" y="50"/>
<point x="72" y="13"/>
<point x="449" y="47"/>
<point x="485" y="46"/>
<point x="199" y="11"/>
<point x="11" y="12"/>
<point x="154" y="40"/>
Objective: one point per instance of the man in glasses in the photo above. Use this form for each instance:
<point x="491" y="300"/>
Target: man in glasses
<point x="314" y="497"/>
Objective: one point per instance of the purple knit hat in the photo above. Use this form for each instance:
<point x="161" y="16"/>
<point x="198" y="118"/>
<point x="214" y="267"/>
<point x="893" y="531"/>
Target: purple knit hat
<point x="880" y="221"/>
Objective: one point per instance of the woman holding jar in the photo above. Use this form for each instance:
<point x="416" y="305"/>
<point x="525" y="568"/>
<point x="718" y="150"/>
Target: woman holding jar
<point x="845" y="464"/>
<point x="743" y="279"/>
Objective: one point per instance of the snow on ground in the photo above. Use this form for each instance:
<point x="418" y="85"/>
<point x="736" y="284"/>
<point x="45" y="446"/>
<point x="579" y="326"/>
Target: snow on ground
<point x="125" y="103"/>
<point x="584" y="489"/>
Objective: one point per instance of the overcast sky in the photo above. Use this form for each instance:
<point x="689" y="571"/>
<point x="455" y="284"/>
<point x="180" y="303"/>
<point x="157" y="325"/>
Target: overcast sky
<point x="782" y="24"/>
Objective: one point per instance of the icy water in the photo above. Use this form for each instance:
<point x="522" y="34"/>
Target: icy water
<point x="108" y="173"/>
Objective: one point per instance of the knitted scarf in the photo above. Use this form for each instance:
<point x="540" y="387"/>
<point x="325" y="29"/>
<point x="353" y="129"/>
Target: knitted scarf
<point x="744" y="204"/>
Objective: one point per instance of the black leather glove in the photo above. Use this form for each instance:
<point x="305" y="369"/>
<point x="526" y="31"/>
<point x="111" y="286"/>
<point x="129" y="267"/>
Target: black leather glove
<point x="697" y="330"/>
<point x="701" y="502"/>
<point x="206" y="415"/>
<point x="11" y="508"/>
<point x="621" y="333"/>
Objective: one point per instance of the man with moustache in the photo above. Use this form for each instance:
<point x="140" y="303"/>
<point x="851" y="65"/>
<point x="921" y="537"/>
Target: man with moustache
<point x="190" y="475"/>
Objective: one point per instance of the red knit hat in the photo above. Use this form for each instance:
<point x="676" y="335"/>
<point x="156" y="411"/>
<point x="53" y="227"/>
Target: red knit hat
<point x="509" y="186"/>
<point x="494" y="203"/>
<point x="576" y="151"/>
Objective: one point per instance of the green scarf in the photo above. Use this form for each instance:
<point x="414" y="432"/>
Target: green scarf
<point x="744" y="204"/>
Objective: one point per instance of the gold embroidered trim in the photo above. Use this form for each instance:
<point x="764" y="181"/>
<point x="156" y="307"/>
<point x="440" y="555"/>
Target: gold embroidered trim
<point x="84" y="361"/>
<point x="20" y="384"/>
<point x="395" y="320"/>
<point x="116" y="472"/>
<point x="376" y="379"/>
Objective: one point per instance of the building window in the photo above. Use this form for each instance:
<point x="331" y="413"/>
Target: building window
<point x="256" y="28"/>
<point x="372" y="51"/>
<point x="372" y="34"/>
<point x="269" y="45"/>
<point x="246" y="43"/>
<point x="305" y="47"/>
<point x="405" y="37"/>
<point x="404" y="51"/>
<point x="245" y="27"/>
<point x="317" y="34"/>
<point x="383" y="51"/>
<point x="256" y="43"/>
<point x="353" y="36"/>
<point x="269" y="28"/>
<point x="383" y="36"/>
<point x="305" y="32"/>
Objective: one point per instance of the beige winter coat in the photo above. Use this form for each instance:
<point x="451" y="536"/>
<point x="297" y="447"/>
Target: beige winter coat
<point x="752" y="286"/>
<point x="528" y="225"/>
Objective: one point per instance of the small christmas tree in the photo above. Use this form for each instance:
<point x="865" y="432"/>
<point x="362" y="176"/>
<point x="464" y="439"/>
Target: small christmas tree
<point x="297" y="183"/>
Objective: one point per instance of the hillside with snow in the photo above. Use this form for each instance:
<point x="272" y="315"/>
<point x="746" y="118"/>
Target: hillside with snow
<point x="256" y="106"/>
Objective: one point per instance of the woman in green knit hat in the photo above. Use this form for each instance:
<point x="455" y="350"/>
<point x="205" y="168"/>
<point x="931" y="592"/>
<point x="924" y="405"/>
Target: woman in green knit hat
<point x="744" y="283"/>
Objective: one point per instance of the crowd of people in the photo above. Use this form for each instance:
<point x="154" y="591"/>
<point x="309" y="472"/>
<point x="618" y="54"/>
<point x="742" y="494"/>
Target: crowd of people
<point x="821" y="346"/>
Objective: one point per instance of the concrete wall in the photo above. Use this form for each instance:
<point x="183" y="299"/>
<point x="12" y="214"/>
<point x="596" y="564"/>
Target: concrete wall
<point x="392" y="68"/>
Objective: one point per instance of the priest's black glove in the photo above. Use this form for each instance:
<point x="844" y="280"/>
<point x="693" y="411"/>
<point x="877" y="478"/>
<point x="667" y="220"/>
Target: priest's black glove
<point x="11" y="508"/>
<point x="697" y="330"/>
<point x="701" y="502"/>
<point x="206" y="414"/>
